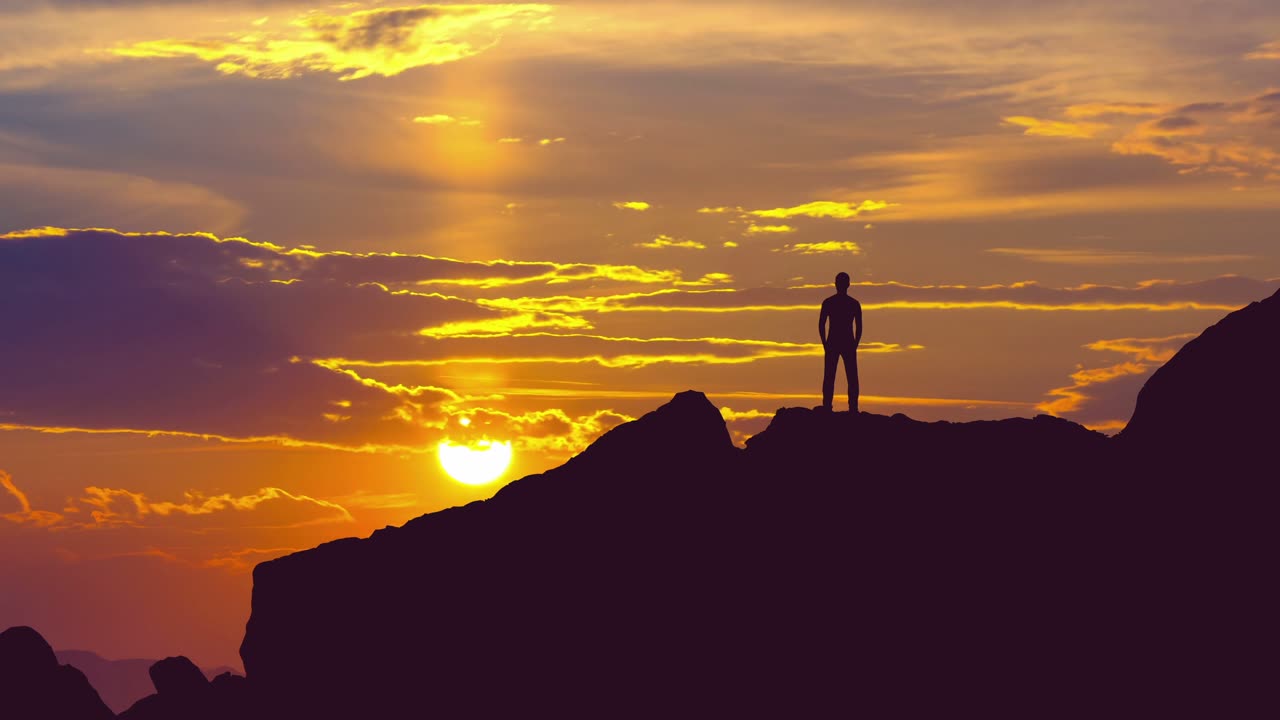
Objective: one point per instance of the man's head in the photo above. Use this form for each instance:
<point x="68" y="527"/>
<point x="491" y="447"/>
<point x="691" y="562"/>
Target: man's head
<point x="842" y="281"/>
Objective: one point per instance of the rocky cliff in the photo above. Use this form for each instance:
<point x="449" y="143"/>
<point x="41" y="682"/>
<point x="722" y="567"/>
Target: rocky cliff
<point x="838" y="562"/>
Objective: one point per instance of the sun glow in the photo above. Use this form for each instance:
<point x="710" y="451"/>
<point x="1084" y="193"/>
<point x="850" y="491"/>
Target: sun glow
<point x="478" y="463"/>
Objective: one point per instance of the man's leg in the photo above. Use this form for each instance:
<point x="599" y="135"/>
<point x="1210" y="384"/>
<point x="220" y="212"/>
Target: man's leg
<point x="851" y="376"/>
<point x="829" y="376"/>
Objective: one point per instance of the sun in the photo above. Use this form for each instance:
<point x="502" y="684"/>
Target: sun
<point x="478" y="463"/>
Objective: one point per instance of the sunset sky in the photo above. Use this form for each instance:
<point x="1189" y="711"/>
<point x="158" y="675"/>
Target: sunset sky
<point x="260" y="258"/>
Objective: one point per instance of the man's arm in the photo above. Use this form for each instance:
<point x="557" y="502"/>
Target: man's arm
<point x="822" y="324"/>
<point x="857" y="320"/>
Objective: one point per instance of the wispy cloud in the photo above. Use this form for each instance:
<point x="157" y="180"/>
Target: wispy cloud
<point x="442" y="119"/>
<point x="1102" y="398"/>
<point x="24" y="514"/>
<point x="845" y="247"/>
<point x="1224" y="293"/>
<point x="354" y="45"/>
<point x="1099" y="256"/>
<point x="769" y="229"/>
<point x="1055" y="128"/>
<point x="1103" y="109"/>
<point x="666" y="241"/>
<point x="1266" y="51"/>
<point x="824" y="209"/>
<point x="270" y="507"/>
<point x="637" y="205"/>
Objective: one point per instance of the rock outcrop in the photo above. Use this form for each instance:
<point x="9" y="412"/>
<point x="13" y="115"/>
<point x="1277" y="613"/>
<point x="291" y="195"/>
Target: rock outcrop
<point x="839" y="563"/>
<point x="184" y="693"/>
<point x="34" y="686"/>
<point x="1215" y="403"/>
<point x="121" y="683"/>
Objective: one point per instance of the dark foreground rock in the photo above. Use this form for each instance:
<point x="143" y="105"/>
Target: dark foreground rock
<point x="184" y="693"/>
<point x="33" y="686"/>
<point x="121" y="683"/>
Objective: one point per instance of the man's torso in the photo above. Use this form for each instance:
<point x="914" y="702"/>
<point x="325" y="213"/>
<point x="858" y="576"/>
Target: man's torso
<point x="841" y="310"/>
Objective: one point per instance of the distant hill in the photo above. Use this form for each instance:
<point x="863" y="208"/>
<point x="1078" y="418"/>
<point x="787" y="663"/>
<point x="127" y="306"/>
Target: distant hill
<point x="120" y="683"/>
<point x="838" y="566"/>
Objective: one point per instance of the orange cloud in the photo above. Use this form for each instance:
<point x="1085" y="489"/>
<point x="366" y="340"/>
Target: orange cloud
<point x="551" y="431"/>
<point x="25" y="514"/>
<point x="1055" y="128"/>
<point x="244" y="560"/>
<point x="637" y="205"/>
<point x="378" y="41"/>
<point x="278" y="508"/>
<point x="1266" y="51"/>
<point x="1100" y="397"/>
<point x="1102" y="109"/>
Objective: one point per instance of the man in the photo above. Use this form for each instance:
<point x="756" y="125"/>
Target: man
<point x="842" y="342"/>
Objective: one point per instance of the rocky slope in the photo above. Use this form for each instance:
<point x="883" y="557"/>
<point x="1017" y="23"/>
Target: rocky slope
<point x="838" y="562"/>
<point x="1216" y="400"/>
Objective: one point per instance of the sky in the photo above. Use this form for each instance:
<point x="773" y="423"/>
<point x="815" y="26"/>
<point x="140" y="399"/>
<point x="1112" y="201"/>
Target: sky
<point x="260" y="259"/>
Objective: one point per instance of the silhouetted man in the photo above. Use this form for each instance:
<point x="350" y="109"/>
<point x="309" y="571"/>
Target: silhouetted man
<point x="842" y="342"/>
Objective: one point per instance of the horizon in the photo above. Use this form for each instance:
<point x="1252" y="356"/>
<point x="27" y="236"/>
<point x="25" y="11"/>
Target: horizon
<point x="278" y="272"/>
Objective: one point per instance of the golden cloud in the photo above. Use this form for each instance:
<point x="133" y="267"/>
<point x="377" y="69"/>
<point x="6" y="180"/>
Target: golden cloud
<point x="358" y="44"/>
<point x="502" y="326"/>
<point x="637" y="205"/>
<point x="442" y="119"/>
<point x="823" y="209"/>
<point x="1055" y="128"/>
<point x="666" y="241"/>
<point x="754" y="229"/>
<point x="820" y="248"/>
